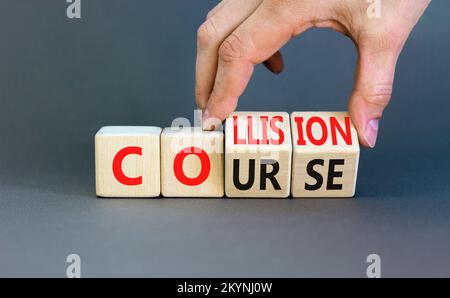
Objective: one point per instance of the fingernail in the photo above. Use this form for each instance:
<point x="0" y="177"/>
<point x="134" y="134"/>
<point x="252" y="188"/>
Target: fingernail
<point x="371" y="132"/>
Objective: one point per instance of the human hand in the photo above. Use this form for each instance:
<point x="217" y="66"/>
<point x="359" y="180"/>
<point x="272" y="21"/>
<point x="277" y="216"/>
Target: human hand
<point x="238" y="34"/>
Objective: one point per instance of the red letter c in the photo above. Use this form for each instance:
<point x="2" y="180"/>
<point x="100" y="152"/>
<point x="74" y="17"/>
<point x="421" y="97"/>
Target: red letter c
<point x="117" y="166"/>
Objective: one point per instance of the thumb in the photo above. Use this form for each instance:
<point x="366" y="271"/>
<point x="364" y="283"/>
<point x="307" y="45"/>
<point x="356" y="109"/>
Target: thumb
<point x="372" y="91"/>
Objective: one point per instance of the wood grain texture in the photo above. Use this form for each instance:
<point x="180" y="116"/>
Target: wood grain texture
<point x="207" y="144"/>
<point x="109" y="141"/>
<point x="344" y="149"/>
<point x="259" y="145"/>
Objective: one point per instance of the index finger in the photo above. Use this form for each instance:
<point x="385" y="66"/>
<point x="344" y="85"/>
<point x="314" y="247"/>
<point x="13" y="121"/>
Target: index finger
<point x="253" y="42"/>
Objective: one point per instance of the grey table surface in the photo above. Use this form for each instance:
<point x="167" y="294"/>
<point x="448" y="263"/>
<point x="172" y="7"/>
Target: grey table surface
<point x="134" y="64"/>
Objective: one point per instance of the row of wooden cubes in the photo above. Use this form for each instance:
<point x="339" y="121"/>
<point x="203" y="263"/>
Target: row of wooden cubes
<point x="261" y="154"/>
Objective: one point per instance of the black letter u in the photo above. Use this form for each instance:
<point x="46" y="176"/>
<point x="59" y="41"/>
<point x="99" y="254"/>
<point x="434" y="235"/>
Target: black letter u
<point x="251" y="175"/>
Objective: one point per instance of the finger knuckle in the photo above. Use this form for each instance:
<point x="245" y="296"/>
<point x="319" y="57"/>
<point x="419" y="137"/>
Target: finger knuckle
<point x="231" y="49"/>
<point x="209" y="14"/>
<point x="279" y="8"/>
<point x="206" y="34"/>
<point x="384" y="41"/>
<point x="389" y="43"/>
<point x="395" y="40"/>
<point x="379" y="94"/>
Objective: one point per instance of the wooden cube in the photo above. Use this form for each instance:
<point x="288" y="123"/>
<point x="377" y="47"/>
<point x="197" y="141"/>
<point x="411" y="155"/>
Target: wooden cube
<point x="258" y="154"/>
<point x="326" y="154"/>
<point x="127" y="161"/>
<point x="192" y="163"/>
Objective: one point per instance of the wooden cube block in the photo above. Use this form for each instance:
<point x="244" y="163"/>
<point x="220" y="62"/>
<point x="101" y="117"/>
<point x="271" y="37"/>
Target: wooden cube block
<point x="127" y="161"/>
<point x="326" y="155"/>
<point x="192" y="163"/>
<point x="258" y="152"/>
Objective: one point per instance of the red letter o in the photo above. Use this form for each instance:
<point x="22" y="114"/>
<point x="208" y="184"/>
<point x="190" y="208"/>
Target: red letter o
<point x="322" y="124"/>
<point x="204" y="170"/>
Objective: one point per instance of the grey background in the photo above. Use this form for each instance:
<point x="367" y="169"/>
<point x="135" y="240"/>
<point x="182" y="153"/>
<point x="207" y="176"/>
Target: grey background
<point x="132" y="63"/>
